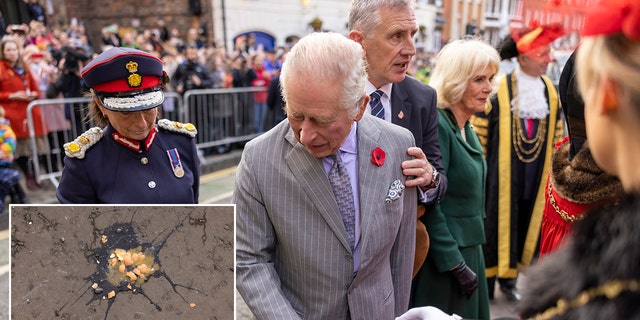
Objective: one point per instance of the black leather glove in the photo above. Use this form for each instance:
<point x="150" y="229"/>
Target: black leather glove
<point x="466" y="278"/>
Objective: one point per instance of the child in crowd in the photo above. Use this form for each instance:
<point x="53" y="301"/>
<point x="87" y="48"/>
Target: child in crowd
<point x="8" y="176"/>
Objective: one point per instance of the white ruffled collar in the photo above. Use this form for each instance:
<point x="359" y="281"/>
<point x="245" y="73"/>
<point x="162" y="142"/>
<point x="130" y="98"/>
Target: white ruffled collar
<point x="530" y="102"/>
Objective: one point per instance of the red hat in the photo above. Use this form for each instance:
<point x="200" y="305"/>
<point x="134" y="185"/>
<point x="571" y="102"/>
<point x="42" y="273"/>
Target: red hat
<point x="613" y="16"/>
<point x="126" y="79"/>
<point x="527" y="39"/>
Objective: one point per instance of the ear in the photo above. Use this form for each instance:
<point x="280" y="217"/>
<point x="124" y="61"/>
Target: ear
<point x="609" y="96"/>
<point x="356" y="35"/>
<point x="362" y="108"/>
<point x="103" y="110"/>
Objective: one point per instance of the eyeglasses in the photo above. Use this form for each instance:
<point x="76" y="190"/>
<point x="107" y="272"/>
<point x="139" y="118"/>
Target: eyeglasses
<point x="545" y="53"/>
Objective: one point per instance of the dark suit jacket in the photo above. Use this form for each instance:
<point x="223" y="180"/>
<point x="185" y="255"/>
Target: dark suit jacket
<point x="413" y="106"/>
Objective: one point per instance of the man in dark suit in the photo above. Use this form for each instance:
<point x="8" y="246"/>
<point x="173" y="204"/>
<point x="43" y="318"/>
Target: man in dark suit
<point x="385" y="29"/>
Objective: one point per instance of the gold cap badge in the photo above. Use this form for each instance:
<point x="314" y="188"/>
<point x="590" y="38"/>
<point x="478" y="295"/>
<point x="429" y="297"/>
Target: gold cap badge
<point x="134" y="79"/>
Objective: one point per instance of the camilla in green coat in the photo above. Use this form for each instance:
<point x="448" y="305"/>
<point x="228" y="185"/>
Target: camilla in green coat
<point x="453" y="277"/>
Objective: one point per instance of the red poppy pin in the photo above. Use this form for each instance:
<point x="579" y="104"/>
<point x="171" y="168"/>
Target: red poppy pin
<point x="377" y="156"/>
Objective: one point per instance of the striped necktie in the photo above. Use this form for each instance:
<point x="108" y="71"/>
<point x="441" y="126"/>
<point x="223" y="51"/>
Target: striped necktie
<point x="377" y="109"/>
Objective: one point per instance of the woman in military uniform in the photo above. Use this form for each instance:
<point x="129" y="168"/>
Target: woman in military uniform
<point x="129" y="157"/>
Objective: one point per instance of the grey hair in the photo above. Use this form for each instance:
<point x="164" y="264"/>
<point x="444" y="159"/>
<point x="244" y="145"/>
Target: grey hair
<point x="364" y="15"/>
<point x="458" y="62"/>
<point x="321" y="58"/>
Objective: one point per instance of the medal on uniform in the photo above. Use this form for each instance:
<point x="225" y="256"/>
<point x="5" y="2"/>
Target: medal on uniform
<point x="178" y="172"/>
<point x="176" y="165"/>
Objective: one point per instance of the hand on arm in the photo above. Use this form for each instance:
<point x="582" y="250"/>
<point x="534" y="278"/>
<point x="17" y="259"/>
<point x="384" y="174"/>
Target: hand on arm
<point x="419" y="172"/>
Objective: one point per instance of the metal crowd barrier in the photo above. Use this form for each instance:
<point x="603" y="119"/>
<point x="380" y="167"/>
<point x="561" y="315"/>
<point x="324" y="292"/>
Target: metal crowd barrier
<point x="223" y="117"/>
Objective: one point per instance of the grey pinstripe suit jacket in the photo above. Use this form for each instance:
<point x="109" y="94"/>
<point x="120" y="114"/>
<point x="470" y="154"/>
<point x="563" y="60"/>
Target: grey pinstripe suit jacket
<point x="293" y="260"/>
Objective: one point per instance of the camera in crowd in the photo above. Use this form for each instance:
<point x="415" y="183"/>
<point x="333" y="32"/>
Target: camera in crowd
<point x="189" y="70"/>
<point x="72" y="57"/>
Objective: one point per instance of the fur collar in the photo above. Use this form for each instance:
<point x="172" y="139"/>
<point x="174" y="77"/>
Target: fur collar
<point x="581" y="180"/>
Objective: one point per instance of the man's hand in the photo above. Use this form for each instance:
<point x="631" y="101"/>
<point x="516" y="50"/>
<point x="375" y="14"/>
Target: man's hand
<point x="418" y="171"/>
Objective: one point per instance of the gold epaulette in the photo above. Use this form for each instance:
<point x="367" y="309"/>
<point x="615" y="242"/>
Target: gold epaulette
<point x="78" y="147"/>
<point x="184" y="128"/>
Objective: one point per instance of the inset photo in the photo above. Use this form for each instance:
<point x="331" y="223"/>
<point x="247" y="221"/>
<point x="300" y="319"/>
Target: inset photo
<point x="4" y="265"/>
<point x="122" y="262"/>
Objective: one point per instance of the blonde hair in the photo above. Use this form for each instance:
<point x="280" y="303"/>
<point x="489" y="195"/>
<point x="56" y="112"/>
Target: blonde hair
<point x="458" y="62"/>
<point x="95" y="114"/>
<point x="2" y="112"/>
<point x="615" y="57"/>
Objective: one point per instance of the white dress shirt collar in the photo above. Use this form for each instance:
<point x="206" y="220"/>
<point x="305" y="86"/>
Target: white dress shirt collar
<point x="385" y="99"/>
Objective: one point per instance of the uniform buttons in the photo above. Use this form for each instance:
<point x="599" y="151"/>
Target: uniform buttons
<point x="151" y="184"/>
<point x="144" y="160"/>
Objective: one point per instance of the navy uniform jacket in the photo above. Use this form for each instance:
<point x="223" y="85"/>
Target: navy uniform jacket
<point x="111" y="172"/>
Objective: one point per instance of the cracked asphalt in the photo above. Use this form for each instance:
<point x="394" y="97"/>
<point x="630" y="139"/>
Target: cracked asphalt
<point x="52" y="257"/>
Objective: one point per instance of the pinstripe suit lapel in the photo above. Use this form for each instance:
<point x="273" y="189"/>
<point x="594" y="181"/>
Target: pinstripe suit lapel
<point x="372" y="192"/>
<point x="309" y="173"/>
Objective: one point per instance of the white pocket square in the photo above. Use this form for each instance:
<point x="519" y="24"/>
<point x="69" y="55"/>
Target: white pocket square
<point x="395" y="191"/>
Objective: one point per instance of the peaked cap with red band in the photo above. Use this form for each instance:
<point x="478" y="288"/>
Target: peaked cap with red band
<point x="613" y="16"/>
<point x="126" y="79"/>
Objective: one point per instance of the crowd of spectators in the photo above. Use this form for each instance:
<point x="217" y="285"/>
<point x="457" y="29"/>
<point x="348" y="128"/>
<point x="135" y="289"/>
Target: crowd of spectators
<point x="166" y="42"/>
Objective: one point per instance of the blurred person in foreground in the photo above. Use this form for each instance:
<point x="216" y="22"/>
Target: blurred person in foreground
<point x="595" y="274"/>
<point x="453" y="276"/>
<point x="308" y="246"/>
<point x="518" y="130"/>
<point x="128" y="157"/>
<point x="575" y="181"/>
<point x="386" y="29"/>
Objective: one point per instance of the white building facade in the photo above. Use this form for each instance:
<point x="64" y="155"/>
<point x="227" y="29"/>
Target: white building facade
<point x="285" y="19"/>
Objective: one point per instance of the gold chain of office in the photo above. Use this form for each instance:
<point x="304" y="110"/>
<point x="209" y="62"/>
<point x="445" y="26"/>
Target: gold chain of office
<point x="519" y="137"/>
<point x="563" y="214"/>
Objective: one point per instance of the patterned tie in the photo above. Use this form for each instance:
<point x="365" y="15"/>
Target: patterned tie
<point x="341" y="185"/>
<point x="377" y="109"/>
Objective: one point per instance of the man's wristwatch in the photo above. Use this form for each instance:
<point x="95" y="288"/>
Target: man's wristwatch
<point x="435" y="178"/>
